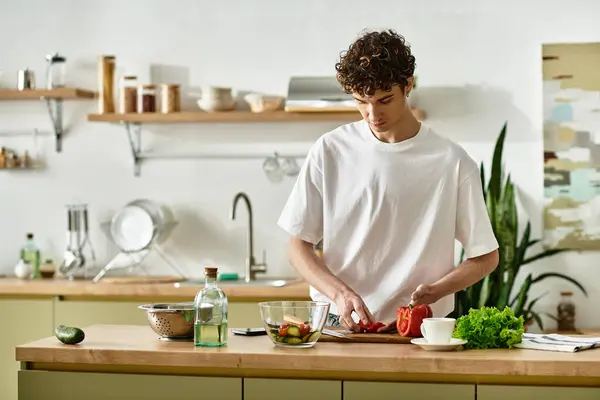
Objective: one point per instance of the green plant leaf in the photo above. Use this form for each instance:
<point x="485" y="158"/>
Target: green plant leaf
<point x="543" y="254"/>
<point x="482" y="178"/>
<point x="484" y="293"/>
<point x="496" y="174"/>
<point x="522" y="296"/>
<point x="537" y="319"/>
<point x="541" y="277"/>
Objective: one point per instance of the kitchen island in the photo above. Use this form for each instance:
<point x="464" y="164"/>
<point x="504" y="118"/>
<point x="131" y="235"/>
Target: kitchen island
<point x="31" y="309"/>
<point x="129" y="362"/>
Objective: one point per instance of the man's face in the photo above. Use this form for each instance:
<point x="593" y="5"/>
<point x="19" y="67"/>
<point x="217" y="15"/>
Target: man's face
<point x="384" y="109"/>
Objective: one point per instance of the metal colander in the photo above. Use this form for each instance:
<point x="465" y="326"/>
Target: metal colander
<point x="171" y="321"/>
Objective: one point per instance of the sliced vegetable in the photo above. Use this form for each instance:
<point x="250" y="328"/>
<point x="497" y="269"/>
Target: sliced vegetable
<point x="409" y="319"/>
<point x="370" y="328"/>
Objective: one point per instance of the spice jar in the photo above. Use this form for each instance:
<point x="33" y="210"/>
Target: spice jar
<point x="566" y="312"/>
<point x="146" y="102"/>
<point x="128" y="94"/>
<point x="170" y="98"/>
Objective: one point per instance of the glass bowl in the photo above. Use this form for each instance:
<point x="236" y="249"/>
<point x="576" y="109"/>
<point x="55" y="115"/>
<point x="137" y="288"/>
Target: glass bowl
<point x="294" y="324"/>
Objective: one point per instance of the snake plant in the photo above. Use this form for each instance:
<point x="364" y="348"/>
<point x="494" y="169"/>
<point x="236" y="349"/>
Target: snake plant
<point x="499" y="289"/>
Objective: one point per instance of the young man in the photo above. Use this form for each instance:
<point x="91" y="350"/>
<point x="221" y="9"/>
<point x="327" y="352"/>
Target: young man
<point x="388" y="196"/>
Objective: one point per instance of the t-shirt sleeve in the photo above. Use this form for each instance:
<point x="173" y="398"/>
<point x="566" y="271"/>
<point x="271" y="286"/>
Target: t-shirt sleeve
<point x="302" y="215"/>
<point x="473" y="227"/>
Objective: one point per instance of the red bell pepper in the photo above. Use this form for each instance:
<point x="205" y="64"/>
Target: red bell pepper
<point x="370" y="328"/>
<point x="409" y="319"/>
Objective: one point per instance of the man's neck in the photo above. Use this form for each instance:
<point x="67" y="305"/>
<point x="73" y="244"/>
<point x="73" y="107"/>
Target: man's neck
<point x="405" y="129"/>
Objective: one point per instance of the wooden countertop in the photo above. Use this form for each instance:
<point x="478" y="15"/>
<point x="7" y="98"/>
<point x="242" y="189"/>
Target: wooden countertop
<point x="116" y="348"/>
<point x="144" y="291"/>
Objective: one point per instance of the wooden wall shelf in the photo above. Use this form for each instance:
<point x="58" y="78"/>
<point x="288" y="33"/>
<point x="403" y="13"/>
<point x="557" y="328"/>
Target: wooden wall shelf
<point x="133" y="123"/>
<point x="225" y="116"/>
<point x="37" y="94"/>
<point x="54" y="100"/>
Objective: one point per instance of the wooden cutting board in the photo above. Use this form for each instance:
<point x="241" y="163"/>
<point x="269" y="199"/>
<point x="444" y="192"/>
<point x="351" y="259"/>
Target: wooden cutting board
<point x="352" y="337"/>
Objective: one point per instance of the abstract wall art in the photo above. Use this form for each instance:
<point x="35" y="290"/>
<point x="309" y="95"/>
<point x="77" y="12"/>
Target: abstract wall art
<point x="571" y="96"/>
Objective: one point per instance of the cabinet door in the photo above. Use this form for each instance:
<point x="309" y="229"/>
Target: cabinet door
<point x="82" y="313"/>
<point x="36" y="385"/>
<point x="291" y="389"/>
<point x="244" y="315"/>
<point x="401" y="390"/>
<point x="494" y="392"/>
<point x="22" y="321"/>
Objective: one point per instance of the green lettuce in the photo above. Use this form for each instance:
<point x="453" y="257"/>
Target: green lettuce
<point x="488" y="328"/>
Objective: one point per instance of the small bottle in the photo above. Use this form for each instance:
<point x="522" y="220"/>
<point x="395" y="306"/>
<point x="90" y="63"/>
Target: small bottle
<point x="210" y="308"/>
<point x="566" y="312"/>
<point x="146" y="102"/>
<point x="31" y="255"/>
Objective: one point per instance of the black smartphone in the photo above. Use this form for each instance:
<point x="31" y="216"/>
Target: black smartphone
<point x="249" y="331"/>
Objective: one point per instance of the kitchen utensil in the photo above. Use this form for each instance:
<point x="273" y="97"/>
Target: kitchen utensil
<point x="295" y="324"/>
<point x="136" y="229"/>
<point x="78" y="242"/>
<point x="25" y="79"/>
<point x="453" y="344"/>
<point x="342" y="335"/>
<point x="171" y="321"/>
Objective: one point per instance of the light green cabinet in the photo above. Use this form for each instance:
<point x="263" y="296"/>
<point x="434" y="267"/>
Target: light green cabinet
<point x="22" y="321"/>
<point x="401" y="390"/>
<point x="36" y="385"/>
<point x="82" y="313"/>
<point x="291" y="389"/>
<point x="244" y="315"/>
<point x="497" y="392"/>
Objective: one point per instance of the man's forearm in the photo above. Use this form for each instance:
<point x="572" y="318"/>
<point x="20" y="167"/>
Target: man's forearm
<point x="313" y="269"/>
<point x="466" y="274"/>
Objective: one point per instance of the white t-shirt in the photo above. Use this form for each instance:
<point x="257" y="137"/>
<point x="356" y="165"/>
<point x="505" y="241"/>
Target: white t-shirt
<point x="389" y="213"/>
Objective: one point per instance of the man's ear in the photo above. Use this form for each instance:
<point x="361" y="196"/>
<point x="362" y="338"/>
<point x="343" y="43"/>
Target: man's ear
<point x="409" y="85"/>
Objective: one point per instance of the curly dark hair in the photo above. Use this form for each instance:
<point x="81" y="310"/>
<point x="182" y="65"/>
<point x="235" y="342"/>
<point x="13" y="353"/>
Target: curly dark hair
<point x="375" y="61"/>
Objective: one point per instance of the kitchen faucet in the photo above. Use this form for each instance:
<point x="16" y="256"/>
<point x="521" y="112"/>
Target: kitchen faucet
<point x="251" y="267"/>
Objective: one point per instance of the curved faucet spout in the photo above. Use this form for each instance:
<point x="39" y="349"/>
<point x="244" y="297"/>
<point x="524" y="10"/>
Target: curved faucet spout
<point x="251" y="267"/>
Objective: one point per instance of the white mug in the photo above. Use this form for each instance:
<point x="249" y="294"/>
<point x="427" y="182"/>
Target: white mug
<point x="438" y="330"/>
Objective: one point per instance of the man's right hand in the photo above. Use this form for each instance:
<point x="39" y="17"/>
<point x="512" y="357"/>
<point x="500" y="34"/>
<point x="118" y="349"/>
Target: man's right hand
<point x="348" y="302"/>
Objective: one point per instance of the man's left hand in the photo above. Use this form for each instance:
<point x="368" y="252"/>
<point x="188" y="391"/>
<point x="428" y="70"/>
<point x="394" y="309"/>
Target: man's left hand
<point x="424" y="294"/>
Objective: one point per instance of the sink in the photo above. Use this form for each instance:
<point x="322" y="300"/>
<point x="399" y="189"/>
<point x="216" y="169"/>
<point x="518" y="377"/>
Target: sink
<point x="266" y="281"/>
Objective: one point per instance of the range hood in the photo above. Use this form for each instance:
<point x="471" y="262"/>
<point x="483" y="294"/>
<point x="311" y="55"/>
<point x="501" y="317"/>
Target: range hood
<point x="317" y="94"/>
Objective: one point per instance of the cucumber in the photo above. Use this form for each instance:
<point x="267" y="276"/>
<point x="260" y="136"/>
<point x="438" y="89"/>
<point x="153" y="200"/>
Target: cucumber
<point x="292" y="340"/>
<point x="314" y="336"/>
<point x="293" y="330"/>
<point x="305" y="338"/>
<point x="69" y="334"/>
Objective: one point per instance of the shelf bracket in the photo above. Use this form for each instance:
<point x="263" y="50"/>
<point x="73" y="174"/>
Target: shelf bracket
<point x="134" y="135"/>
<point x="55" y="110"/>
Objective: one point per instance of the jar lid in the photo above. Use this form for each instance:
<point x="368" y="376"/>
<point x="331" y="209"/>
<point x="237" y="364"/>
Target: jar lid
<point x="148" y="86"/>
<point x="129" y="77"/>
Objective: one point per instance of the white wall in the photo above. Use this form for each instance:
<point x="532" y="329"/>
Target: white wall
<point x="479" y="64"/>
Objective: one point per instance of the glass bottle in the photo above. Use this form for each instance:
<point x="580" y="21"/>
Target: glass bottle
<point x="31" y="255"/>
<point x="210" y="309"/>
<point x="56" y="72"/>
<point x="566" y="312"/>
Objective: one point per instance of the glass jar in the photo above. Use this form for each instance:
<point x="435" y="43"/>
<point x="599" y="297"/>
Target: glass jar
<point x="146" y="102"/>
<point x="210" y="313"/>
<point x="57" y="71"/>
<point x="566" y="312"/>
<point x="128" y="94"/>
